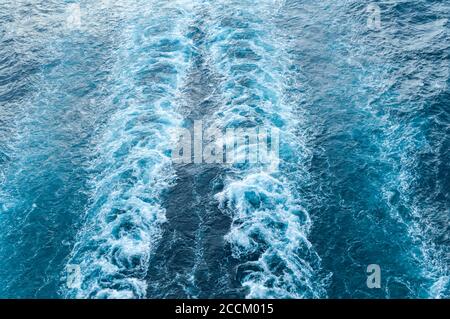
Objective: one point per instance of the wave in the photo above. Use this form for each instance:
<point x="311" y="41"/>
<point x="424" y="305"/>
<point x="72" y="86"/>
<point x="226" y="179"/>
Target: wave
<point x="133" y="166"/>
<point x="408" y="82"/>
<point x="48" y="77"/>
<point x="269" y="227"/>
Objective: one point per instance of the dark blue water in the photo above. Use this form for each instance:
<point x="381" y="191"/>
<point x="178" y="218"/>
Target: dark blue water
<point x="88" y="111"/>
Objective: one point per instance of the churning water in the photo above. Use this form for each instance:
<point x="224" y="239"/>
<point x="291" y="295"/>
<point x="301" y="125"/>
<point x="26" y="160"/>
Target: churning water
<point x="93" y="92"/>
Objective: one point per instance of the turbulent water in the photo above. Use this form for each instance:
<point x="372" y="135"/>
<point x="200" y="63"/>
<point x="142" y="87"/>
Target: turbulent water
<point x="92" y="94"/>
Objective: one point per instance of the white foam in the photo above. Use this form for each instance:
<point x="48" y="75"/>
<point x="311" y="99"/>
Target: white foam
<point x="269" y="230"/>
<point x="133" y="165"/>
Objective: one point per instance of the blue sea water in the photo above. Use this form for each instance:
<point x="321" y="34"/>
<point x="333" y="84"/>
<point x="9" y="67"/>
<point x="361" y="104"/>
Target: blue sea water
<point x="88" y="110"/>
